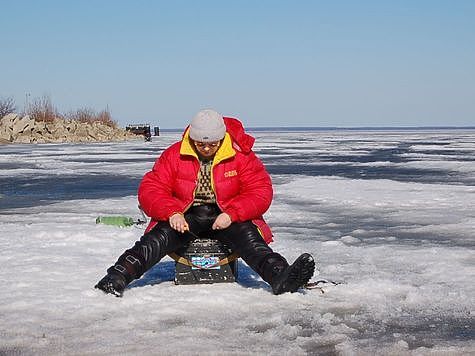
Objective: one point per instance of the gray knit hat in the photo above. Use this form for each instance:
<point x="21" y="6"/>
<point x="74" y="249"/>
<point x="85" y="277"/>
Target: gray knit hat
<point x="207" y="126"/>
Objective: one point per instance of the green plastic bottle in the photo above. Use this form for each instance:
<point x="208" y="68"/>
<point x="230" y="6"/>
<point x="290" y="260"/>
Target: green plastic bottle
<point x="121" y="221"/>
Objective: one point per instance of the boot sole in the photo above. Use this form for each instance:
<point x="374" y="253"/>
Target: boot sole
<point x="298" y="277"/>
<point x="300" y="273"/>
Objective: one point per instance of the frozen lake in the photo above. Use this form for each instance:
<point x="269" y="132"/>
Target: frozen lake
<point x="390" y="214"/>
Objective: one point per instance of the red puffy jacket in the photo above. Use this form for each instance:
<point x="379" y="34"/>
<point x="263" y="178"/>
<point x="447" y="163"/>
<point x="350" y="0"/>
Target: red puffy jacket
<point x="242" y="186"/>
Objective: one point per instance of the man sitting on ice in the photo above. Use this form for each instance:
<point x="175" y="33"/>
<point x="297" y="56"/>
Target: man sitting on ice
<point x="211" y="185"/>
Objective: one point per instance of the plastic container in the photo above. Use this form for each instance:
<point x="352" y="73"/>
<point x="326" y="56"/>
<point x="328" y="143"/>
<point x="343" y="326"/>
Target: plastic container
<point x="121" y="221"/>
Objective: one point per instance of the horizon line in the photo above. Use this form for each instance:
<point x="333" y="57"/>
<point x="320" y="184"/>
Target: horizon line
<point x="334" y="128"/>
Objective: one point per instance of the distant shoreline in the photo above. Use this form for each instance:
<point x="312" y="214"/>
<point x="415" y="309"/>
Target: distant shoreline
<point x="363" y="128"/>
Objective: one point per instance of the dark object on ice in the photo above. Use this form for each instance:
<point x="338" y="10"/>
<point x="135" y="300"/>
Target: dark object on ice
<point x="205" y="261"/>
<point x="294" y="276"/>
<point x="112" y="284"/>
<point x="320" y="284"/>
<point x="148" y="136"/>
<point x="140" y="129"/>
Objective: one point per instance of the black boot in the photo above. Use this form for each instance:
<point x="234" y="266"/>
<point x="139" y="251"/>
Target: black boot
<point x="295" y="276"/>
<point x="112" y="284"/>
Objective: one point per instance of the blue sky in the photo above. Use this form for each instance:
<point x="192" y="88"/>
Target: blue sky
<point x="270" y="63"/>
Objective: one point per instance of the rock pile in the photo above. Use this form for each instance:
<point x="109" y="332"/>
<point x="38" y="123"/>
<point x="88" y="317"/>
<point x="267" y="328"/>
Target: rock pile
<point x="17" y="129"/>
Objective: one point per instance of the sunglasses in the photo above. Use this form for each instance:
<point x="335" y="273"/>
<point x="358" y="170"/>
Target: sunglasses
<point x="207" y="144"/>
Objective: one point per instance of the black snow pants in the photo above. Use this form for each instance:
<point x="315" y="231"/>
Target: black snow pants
<point x="242" y="237"/>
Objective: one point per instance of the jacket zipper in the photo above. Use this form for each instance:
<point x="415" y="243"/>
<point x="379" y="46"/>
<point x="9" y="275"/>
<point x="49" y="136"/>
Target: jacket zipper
<point x="194" y="190"/>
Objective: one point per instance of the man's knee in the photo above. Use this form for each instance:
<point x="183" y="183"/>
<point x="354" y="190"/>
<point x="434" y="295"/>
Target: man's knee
<point x="244" y="229"/>
<point x="243" y="237"/>
<point x="163" y="239"/>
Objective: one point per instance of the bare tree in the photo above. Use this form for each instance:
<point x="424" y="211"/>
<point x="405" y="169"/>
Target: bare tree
<point x="43" y="110"/>
<point x="105" y="118"/>
<point x="81" y="115"/>
<point x="7" y="106"/>
<point x="89" y="116"/>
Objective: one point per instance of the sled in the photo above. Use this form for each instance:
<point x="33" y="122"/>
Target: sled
<point x="205" y="261"/>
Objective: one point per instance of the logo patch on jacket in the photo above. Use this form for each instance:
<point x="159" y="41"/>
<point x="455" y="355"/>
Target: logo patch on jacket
<point x="229" y="174"/>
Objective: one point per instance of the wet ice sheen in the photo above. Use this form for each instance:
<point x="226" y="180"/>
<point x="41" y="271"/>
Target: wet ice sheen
<point x="402" y="246"/>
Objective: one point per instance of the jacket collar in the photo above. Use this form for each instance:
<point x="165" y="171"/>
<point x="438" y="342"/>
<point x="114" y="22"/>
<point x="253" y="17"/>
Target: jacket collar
<point x="225" y="151"/>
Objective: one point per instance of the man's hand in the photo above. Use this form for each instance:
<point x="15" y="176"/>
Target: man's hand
<point x="222" y="222"/>
<point x="177" y="222"/>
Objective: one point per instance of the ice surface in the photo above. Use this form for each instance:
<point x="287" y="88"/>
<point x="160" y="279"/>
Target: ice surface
<point x="401" y="244"/>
